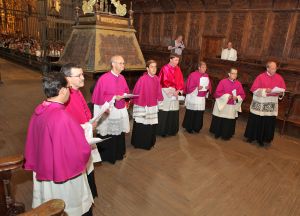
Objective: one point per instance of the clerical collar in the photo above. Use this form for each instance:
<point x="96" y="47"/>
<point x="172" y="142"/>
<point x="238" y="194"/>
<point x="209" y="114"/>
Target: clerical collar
<point x="114" y="73"/>
<point x="150" y="74"/>
<point x="55" y="102"/>
<point x="269" y="74"/>
<point x="231" y="80"/>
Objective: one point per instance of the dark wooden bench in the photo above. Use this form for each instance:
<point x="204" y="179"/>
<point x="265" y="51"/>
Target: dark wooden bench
<point x="8" y="206"/>
<point x="54" y="207"/>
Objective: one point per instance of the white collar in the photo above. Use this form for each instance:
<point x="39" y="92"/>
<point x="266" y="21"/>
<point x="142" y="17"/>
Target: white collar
<point x="114" y="73"/>
<point x="150" y="74"/>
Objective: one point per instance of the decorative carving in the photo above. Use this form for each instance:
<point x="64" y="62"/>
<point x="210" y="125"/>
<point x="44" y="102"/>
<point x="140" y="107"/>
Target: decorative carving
<point x="181" y="23"/>
<point x="295" y="49"/>
<point x="278" y="38"/>
<point x="257" y="30"/>
<point x="236" y="34"/>
<point x="222" y="23"/>
<point x="156" y="29"/>
<point x="127" y="50"/>
<point x="131" y="14"/>
<point x="208" y="23"/>
<point x="145" y="29"/>
<point x="111" y="20"/>
<point x="193" y="40"/>
<point x="87" y="6"/>
<point x="168" y="29"/>
<point x="137" y="25"/>
<point x="120" y="8"/>
<point x="79" y="41"/>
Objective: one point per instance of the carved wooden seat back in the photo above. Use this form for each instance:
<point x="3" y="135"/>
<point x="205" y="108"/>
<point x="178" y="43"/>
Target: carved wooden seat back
<point x="54" y="207"/>
<point x="289" y="115"/>
<point x="7" y="204"/>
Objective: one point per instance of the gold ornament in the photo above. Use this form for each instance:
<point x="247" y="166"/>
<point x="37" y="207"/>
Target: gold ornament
<point x="120" y="8"/>
<point x="87" y="6"/>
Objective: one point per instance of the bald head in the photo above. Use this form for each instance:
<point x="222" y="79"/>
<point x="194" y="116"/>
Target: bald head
<point x="271" y="67"/>
<point x="229" y="45"/>
<point x="117" y="64"/>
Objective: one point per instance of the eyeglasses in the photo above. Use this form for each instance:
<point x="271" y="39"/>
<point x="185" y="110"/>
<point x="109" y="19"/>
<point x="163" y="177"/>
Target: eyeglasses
<point x="79" y="75"/>
<point x="120" y="63"/>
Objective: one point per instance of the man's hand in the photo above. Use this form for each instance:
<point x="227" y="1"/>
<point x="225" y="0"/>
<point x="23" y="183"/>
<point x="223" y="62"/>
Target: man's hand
<point x="176" y="93"/>
<point x="268" y="90"/>
<point x="234" y="98"/>
<point x="200" y="87"/>
<point x="94" y="125"/>
<point x="119" y="97"/>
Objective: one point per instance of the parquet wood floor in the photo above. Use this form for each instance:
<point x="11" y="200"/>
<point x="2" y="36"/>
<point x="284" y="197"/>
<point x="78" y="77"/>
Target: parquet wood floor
<point x="188" y="174"/>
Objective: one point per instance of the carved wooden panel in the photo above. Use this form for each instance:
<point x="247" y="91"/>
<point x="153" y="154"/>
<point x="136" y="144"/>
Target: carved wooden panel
<point x="126" y="49"/>
<point x="286" y="4"/>
<point x="182" y="5"/>
<point x="240" y="4"/>
<point x="136" y="23"/>
<point x="209" y="20"/>
<point x="210" y="3"/>
<point x="79" y="41"/>
<point x="156" y="29"/>
<point x="168" y="29"/>
<point x="295" y="49"/>
<point x="278" y="38"/>
<point x="181" y="23"/>
<point x="222" y="23"/>
<point x="195" y="5"/>
<point x="256" y="33"/>
<point x="238" y="20"/>
<point x="261" y="3"/>
<point x="167" y="5"/>
<point x="193" y="40"/>
<point x="224" y="4"/>
<point x="145" y="29"/>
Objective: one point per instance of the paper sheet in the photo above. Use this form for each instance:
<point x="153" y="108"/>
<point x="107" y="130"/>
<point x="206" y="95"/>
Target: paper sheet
<point x="104" y="107"/>
<point x="277" y="90"/>
<point x="234" y="92"/>
<point x="129" y="95"/>
<point x="204" y="81"/>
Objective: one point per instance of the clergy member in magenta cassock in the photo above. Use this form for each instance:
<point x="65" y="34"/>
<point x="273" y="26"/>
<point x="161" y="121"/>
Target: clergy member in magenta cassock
<point x="229" y="96"/>
<point x="145" y="108"/>
<point x="57" y="152"/>
<point x="267" y="88"/>
<point x="78" y="109"/>
<point x="171" y="81"/>
<point x="197" y="88"/>
<point x="112" y="85"/>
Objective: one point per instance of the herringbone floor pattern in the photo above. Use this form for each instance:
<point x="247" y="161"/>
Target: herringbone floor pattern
<point x="189" y="174"/>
